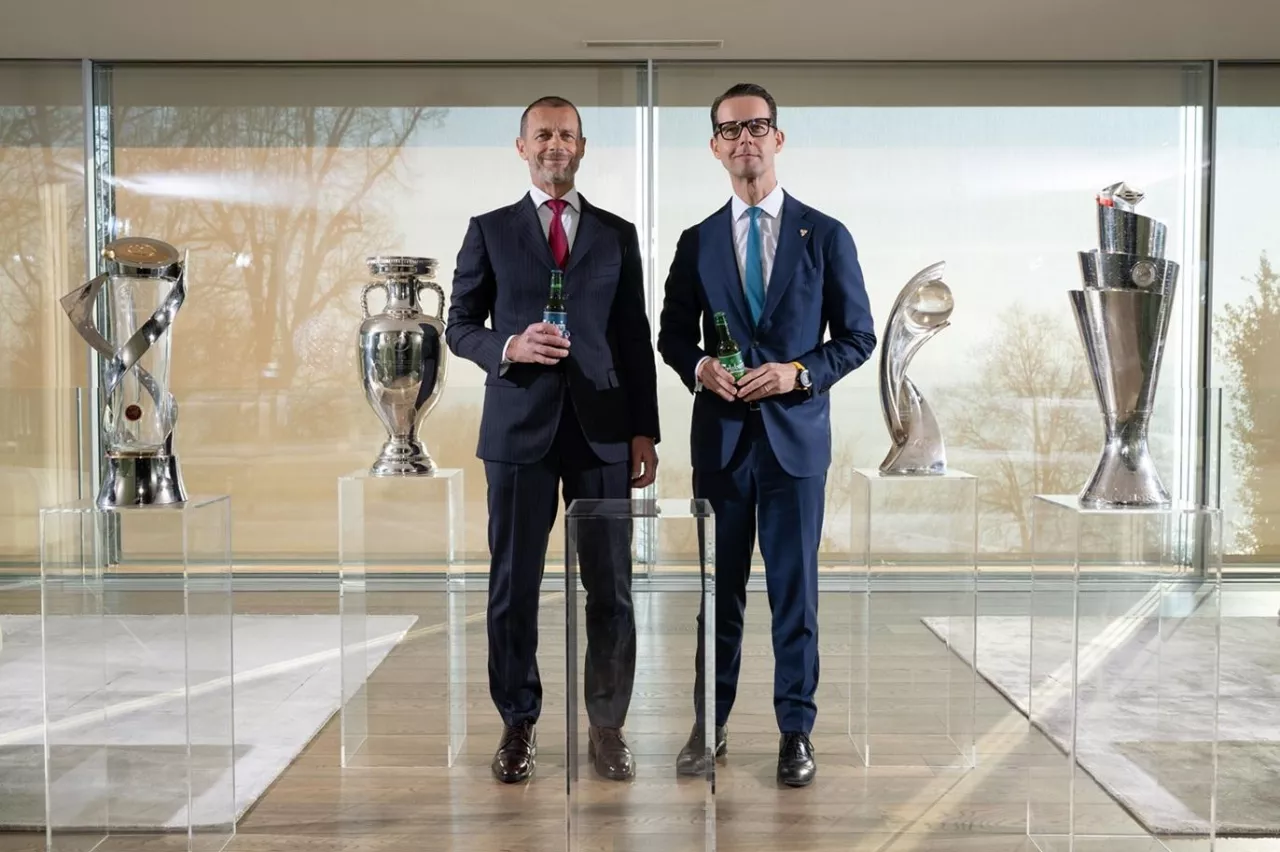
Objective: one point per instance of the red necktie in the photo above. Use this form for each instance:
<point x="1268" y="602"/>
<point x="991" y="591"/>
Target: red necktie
<point x="556" y="235"/>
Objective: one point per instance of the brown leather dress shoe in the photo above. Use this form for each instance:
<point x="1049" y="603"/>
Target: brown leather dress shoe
<point x="609" y="753"/>
<point x="516" y="754"/>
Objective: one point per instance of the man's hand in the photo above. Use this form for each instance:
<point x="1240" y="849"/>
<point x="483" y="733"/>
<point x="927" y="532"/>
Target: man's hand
<point x="644" y="462"/>
<point x="715" y="377"/>
<point x="540" y="343"/>
<point x="767" y="380"/>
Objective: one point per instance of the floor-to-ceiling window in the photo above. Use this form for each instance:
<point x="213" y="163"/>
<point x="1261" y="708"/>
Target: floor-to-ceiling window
<point x="42" y="239"/>
<point x="994" y="170"/>
<point x="1246" y="310"/>
<point x="281" y="181"/>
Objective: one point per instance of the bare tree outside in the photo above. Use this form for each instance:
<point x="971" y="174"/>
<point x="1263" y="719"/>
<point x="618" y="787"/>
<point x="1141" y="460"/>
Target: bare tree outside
<point x="279" y="206"/>
<point x="1248" y="342"/>
<point x="1026" y="424"/>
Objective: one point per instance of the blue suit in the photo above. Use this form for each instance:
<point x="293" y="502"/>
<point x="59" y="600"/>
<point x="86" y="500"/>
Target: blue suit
<point x="766" y="470"/>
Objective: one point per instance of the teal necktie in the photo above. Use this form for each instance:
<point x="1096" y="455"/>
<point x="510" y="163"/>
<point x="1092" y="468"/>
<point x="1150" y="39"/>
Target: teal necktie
<point x="753" y="268"/>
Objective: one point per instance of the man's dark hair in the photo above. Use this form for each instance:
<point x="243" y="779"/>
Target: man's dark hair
<point x="745" y="90"/>
<point x="548" y="101"/>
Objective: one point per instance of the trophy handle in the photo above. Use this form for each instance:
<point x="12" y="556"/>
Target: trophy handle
<point x="427" y="284"/>
<point x="364" y="295"/>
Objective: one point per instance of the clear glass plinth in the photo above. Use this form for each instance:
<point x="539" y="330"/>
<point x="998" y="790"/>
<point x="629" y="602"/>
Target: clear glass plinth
<point x="136" y="641"/>
<point x="403" y="616"/>
<point x="913" y="687"/>
<point x="636" y="652"/>
<point x="1124" y="676"/>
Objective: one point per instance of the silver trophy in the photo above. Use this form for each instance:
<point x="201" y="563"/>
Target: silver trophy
<point x="922" y="309"/>
<point x="1123" y="315"/>
<point x="403" y="360"/>
<point x="144" y="283"/>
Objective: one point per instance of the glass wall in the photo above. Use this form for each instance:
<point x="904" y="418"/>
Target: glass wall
<point x="1246" y="310"/>
<point x="994" y="170"/>
<point x="42" y="257"/>
<point x="280" y="180"/>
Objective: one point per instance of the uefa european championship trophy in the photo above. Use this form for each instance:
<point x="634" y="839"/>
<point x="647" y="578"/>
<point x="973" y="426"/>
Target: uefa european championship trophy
<point x="1123" y="316"/>
<point x="922" y="309"/>
<point x="403" y="360"/>
<point x="144" y="286"/>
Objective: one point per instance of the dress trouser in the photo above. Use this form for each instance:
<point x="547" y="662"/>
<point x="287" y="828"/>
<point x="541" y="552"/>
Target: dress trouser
<point x="753" y="493"/>
<point x="522" y="510"/>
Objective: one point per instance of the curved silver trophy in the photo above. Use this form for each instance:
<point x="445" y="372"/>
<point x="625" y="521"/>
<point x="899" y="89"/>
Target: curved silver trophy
<point x="1123" y="316"/>
<point x="922" y="309"/>
<point x="403" y="360"/>
<point x="144" y="284"/>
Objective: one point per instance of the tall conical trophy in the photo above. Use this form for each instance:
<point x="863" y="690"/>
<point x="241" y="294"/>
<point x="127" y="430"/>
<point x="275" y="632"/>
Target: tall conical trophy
<point x="144" y="284"/>
<point x="403" y="360"/>
<point x="1123" y="315"/>
<point x="922" y="309"/>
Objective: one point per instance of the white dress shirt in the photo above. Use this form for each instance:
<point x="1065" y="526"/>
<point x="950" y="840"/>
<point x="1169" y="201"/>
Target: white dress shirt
<point x="770" y="227"/>
<point x="569" y="217"/>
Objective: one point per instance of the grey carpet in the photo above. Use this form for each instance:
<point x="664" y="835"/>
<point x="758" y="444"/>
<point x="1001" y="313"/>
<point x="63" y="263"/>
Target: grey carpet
<point x="1151" y="748"/>
<point x="132" y="767"/>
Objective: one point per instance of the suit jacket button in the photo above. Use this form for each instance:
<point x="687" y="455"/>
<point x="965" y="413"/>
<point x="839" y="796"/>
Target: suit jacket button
<point x="755" y="343"/>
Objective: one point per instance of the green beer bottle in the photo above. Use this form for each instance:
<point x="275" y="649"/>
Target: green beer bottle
<point x="727" y="351"/>
<point x="555" y="312"/>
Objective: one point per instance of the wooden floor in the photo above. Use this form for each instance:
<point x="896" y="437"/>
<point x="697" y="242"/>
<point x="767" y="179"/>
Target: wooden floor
<point x="915" y="798"/>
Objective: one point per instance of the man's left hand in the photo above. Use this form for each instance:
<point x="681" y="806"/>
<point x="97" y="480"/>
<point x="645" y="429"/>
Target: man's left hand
<point x="767" y="380"/>
<point x="644" y="462"/>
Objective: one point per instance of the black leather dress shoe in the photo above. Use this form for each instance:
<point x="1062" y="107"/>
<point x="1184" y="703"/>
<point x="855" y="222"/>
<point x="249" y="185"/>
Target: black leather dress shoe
<point x="693" y="757"/>
<point x="516" y="754"/>
<point x="609" y="753"/>
<point x="796" y="766"/>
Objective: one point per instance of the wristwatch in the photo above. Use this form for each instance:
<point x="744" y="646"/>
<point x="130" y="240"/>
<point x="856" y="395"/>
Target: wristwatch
<point x="803" y="379"/>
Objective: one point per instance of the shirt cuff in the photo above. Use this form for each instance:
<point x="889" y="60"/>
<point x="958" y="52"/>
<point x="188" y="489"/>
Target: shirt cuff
<point x="697" y="371"/>
<point x="505" y="363"/>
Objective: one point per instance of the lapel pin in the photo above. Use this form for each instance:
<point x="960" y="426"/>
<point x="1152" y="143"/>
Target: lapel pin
<point x="804" y="232"/>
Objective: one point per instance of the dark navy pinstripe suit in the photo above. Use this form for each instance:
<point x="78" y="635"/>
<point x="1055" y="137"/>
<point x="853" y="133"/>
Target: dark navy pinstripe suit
<point x="543" y="426"/>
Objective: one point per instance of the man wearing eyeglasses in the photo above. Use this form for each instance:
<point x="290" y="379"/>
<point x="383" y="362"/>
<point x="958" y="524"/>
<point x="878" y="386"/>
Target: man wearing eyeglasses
<point x="785" y="276"/>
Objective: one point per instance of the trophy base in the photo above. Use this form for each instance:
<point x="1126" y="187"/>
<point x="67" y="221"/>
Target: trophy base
<point x="401" y="457"/>
<point x="1125" y="478"/>
<point x="910" y="459"/>
<point x="141" y="480"/>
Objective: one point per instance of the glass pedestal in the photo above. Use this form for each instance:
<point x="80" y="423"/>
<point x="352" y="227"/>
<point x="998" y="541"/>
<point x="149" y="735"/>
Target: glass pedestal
<point x="1124" y="676"/>
<point x="642" y="647"/>
<point x="913" y="687"/>
<point x="403" y="617"/>
<point x="136" y="640"/>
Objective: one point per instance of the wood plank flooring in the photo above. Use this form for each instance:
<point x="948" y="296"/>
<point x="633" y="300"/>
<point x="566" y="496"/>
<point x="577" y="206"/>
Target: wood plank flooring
<point x="912" y="800"/>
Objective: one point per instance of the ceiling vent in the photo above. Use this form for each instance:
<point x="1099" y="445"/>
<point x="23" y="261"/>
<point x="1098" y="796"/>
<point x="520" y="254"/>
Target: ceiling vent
<point x="658" y="43"/>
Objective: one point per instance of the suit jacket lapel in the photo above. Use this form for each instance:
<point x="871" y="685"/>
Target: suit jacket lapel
<point x="718" y="238"/>
<point x="791" y="246"/>
<point x="588" y="227"/>
<point x="529" y="226"/>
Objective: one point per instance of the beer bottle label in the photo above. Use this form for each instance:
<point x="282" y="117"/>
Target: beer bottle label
<point x="733" y="363"/>
<point x="560" y="319"/>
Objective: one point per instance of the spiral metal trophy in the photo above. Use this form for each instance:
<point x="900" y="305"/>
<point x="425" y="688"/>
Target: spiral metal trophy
<point x="144" y="284"/>
<point x="403" y="360"/>
<point x="1123" y="316"/>
<point x="922" y="309"/>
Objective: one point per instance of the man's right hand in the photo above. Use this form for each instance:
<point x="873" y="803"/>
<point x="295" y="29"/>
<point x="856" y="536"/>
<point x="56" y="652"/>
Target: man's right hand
<point x="715" y="377"/>
<point x="540" y="343"/>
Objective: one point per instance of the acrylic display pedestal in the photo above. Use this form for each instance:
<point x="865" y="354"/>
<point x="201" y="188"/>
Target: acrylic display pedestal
<point x="669" y="649"/>
<point x="1122" y="601"/>
<point x="136" y="640"/>
<point x="913" y="687"/>
<point x="403" y="616"/>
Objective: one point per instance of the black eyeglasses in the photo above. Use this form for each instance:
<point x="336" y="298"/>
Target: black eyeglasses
<point x="731" y="130"/>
